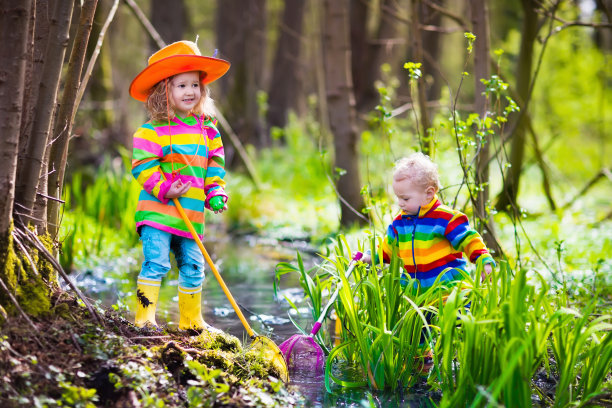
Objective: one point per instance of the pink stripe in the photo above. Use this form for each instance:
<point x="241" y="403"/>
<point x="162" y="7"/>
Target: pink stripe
<point x="148" y="146"/>
<point x="195" y="181"/>
<point x="151" y="182"/>
<point x="178" y="130"/>
<point x="165" y="228"/>
<point x="217" y="152"/>
<point x="211" y="133"/>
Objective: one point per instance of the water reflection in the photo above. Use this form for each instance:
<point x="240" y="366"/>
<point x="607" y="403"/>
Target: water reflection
<point x="247" y="267"/>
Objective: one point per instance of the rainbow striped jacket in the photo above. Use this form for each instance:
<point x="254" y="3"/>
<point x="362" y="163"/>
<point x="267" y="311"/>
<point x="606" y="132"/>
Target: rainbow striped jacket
<point x="191" y="145"/>
<point x="432" y="241"/>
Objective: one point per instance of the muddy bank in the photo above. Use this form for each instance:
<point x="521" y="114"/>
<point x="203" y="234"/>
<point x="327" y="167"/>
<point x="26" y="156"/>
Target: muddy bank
<point x="72" y="360"/>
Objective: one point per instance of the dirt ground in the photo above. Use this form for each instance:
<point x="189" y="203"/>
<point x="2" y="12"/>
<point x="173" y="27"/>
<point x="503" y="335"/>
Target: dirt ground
<point x="69" y="359"/>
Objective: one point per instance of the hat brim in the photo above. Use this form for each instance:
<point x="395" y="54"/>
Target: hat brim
<point x="213" y="69"/>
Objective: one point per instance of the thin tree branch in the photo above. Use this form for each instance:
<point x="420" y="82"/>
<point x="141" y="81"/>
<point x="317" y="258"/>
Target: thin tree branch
<point x="600" y="174"/>
<point x="144" y="21"/>
<point x="23" y="314"/>
<point x="25" y="253"/>
<point x="34" y="240"/>
<point x="94" y="56"/>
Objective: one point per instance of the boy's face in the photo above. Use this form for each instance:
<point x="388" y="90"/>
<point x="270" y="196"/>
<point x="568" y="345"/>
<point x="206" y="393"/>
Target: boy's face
<point x="411" y="196"/>
<point x="185" y="92"/>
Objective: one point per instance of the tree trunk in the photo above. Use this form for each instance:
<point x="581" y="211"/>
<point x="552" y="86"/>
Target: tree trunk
<point x="480" y="27"/>
<point x="65" y="119"/>
<point x="33" y="167"/>
<point x="170" y="19"/>
<point x="242" y="40"/>
<point x="341" y="103"/>
<point x="431" y="48"/>
<point x="14" y="24"/>
<point x="427" y="145"/>
<point x="368" y="54"/>
<point x="509" y="193"/>
<point x="101" y="82"/>
<point x="286" y="84"/>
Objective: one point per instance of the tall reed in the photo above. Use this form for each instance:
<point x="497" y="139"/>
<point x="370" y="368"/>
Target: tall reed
<point x="489" y="338"/>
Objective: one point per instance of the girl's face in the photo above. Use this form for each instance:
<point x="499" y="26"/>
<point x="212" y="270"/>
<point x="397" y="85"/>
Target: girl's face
<point x="411" y="196"/>
<point x="185" y="92"/>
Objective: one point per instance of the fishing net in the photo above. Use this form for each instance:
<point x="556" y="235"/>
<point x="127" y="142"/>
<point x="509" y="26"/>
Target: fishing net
<point x="303" y="352"/>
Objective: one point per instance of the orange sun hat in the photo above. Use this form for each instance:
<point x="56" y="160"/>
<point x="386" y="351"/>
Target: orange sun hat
<point x="173" y="59"/>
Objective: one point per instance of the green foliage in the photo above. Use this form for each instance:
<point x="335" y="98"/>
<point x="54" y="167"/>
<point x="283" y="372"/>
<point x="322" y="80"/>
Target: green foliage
<point x="78" y="397"/>
<point x="204" y="391"/>
<point x="295" y="170"/>
<point x="489" y="339"/>
<point x="100" y="214"/>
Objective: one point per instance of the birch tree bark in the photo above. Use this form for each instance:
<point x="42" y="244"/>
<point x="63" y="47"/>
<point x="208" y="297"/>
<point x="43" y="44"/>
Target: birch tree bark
<point x="65" y="118"/>
<point x="14" y="19"/>
<point x="341" y="105"/>
<point x="33" y="168"/>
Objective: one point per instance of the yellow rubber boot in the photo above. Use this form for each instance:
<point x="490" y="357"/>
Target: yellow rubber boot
<point x="147" y="293"/>
<point x="190" y="309"/>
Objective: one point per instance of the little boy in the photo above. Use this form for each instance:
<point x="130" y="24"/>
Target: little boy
<point x="429" y="237"/>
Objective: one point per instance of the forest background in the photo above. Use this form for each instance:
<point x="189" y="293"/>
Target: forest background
<point x="510" y="98"/>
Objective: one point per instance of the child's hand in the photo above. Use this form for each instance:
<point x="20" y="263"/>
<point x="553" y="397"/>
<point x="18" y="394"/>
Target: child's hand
<point x="366" y="258"/>
<point x="487" y="269"/>
<point x="177" y="189"/>
<point x="217" y="205"/>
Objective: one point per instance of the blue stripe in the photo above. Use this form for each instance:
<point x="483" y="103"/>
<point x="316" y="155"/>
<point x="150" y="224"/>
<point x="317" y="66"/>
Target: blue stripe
<point x="144" y="166"/>
<point x="449" y="276"/>
<point x="187" y="149"/>
<point x="215" y="171"/>
<point x="192" y="204"/>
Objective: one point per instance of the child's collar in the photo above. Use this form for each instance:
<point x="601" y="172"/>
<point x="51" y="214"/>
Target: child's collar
<point x="190" y="119"/>
<point x="425" y="209"/>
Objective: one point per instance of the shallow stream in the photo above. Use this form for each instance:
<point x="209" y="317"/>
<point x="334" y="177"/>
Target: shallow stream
<point x="247" y="265"/>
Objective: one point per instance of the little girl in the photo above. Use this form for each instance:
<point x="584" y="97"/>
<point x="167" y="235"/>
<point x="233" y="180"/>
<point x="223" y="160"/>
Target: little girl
<point x="178" y="153"/>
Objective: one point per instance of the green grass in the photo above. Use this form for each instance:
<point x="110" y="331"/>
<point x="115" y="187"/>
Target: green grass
<point x="489" y="339"/>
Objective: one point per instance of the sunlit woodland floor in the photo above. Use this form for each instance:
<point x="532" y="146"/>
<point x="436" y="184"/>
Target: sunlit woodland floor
<point x="72" y="359"/>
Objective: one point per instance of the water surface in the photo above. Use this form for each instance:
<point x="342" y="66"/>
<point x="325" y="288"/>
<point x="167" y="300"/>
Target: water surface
<point x="247" y="265"/>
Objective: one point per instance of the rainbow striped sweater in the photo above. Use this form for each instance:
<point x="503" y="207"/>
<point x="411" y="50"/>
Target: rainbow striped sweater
<point x="191" y="145"/>
<point x="432" y="241"/>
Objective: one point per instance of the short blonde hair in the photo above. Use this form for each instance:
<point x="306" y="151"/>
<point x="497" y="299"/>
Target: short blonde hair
<point x="419" y="168"/>
<point x="159" y="110"/>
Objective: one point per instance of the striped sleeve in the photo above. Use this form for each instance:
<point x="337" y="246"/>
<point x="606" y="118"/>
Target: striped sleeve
<point x="390" y="241"/>
<point x="214" y="185"/>
<point x="466" y="239"/>
<point x="146" y="158"/>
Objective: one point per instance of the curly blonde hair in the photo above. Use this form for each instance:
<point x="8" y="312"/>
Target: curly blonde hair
<point x="419" y="168"/>
<point x="159" y="110"/>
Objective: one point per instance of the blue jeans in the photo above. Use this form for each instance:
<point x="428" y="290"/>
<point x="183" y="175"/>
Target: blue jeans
<point x="156" y="247"/>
